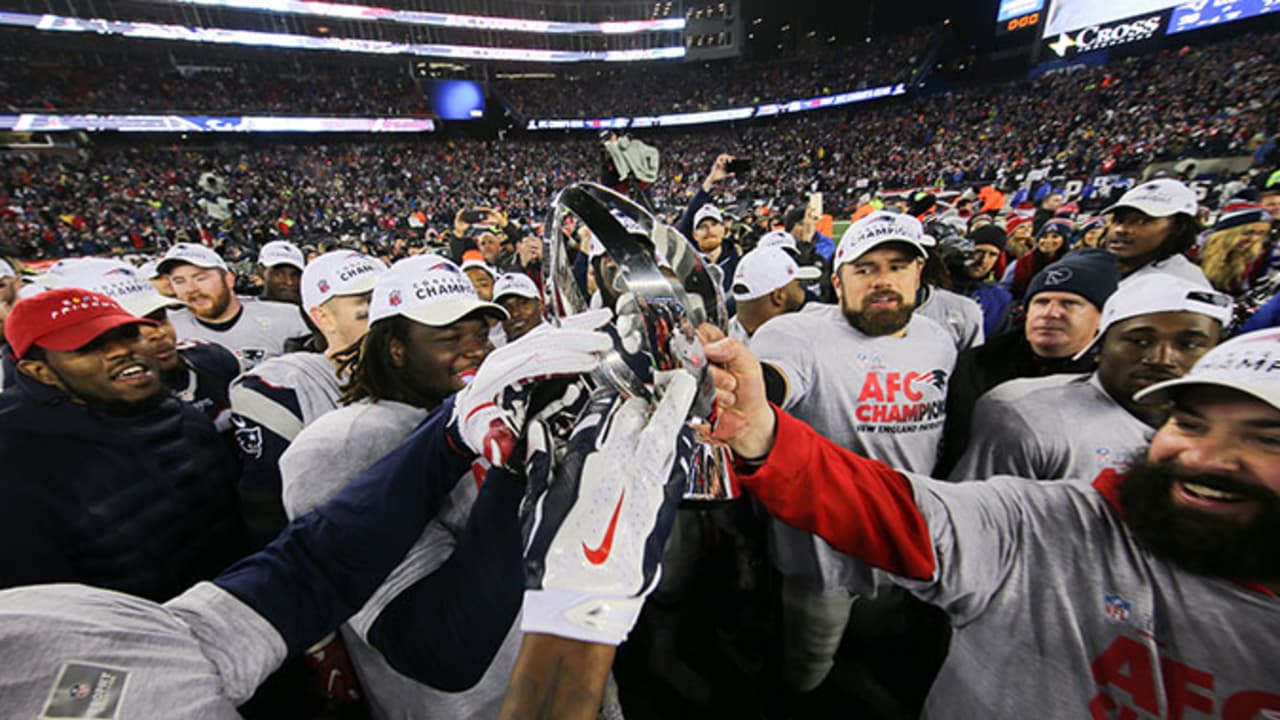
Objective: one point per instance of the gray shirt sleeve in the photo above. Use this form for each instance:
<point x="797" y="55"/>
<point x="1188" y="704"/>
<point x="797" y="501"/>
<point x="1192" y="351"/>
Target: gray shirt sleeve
<point x="243" y="646"/>
<point x="782" y="345"/>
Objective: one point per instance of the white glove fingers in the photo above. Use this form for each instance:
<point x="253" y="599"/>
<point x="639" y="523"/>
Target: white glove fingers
<point x="624" y="427"/>
<point x="657" y="442"/>
<point x="589" y="320"/>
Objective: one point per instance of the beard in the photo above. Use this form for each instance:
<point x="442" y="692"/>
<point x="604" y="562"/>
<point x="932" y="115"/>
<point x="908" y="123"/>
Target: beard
<point x="221" y="302"/>
<point x="1197" y="541"/>
<point x="879" y="322"/>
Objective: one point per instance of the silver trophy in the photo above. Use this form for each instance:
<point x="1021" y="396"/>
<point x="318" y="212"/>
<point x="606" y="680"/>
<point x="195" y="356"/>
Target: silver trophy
<point x="660" y="290"/>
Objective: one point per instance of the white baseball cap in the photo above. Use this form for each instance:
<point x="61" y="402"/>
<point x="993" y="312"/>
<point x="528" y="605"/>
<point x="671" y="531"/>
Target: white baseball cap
<point x="428" y="289"/>
<point x="1159" y="198"/>
<point x="474" y="263"/>
<point x="149" y="269"/>
<point x="340" y="272"/>
<point x="1249" y="363"/>
<point x="125" y="285"/>
<point x="778" y="238"/>
<point x="6" y="270"/>
<point x="56" y="275"/>
<point x="517" y="284"/>
<point x="877" y="229"/>
<point x="707" y="211"/>
<point x="1157" y="294"/>
<point x="766" y="269"/>
<point x="281" y="252"/>
<point x="191" y="254"/>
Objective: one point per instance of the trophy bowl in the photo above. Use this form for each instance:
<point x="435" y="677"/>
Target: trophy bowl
<point x="660" y="290"/>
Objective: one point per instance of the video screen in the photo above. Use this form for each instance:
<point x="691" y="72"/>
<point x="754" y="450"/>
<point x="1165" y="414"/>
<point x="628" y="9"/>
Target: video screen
<point x="456" y="99"/>
<point x="1067" y="16"/>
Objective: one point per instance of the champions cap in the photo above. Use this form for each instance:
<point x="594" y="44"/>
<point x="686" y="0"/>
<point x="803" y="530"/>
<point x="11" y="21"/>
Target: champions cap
<point x="1158" y="294"/>
<point x="877" y="229"/>
<point x="1159" y="198"/>
<point x="1249" y="363"/>
<point x="191" y="254"/>
<point x="427" y="289"/>
<point x="124" y="285"/>
<point x="517" y="284"/>
<point x="281" y="252"/>
<point x="766" y="269"/>
<point x="65" y="319"/>
<point x="778" y="238"/>
<point x="341" y="272"/>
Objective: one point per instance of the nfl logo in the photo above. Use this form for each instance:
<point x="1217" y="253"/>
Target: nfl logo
<point x="394" y="298"/>
<point x="79" y="691"/>
<point x="1116" y="608"/>
<point x="323" y="285"/>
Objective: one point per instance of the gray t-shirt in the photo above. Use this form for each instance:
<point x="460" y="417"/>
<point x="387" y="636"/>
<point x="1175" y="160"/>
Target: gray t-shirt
<point x="1050" y="428"/>
<point x="881" y="397"/>
<point x="1059" y="612"/>
<point x="259" y="333"/>
<point x="957" y="313"/>
<point x="78" y="651"/>
<point x="322" y="459"/>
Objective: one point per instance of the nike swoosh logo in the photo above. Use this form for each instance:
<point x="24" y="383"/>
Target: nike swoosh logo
<point x="598" y="555"/>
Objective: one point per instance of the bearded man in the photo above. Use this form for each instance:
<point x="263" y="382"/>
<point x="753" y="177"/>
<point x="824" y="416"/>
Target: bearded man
<point x="871" y="375"/>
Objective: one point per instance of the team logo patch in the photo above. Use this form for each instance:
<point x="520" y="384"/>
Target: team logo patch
<point x="1057" y="276"/>
<point x="1116" y="608"/>
<point x="323" y="285"/>
<point x="83" y="690"/>
<point x="394" y="299"/>
<point x="248" y="438"/>
<point x="446" y="266"/>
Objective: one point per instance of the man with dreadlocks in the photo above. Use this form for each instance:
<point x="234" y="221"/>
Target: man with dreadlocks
<point x="428" y="335"/>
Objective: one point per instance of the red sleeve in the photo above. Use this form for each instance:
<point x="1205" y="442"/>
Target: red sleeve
<point x="863" y="507"/>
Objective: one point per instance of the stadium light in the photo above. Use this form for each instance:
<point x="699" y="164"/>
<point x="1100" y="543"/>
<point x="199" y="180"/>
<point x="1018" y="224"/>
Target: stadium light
<point x="251" y="38"/>
<point x="311" y="8"/>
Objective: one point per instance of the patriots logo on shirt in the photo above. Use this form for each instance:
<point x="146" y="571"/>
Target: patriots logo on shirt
<point x="1116" y="608"/>
<point x="79" y="691"/>
<point x="936" y="377"/>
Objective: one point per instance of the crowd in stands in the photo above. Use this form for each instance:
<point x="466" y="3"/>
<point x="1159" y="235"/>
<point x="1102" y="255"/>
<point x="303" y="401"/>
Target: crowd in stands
<point x="675" y="88"/>
<point x="1214" y="101"/>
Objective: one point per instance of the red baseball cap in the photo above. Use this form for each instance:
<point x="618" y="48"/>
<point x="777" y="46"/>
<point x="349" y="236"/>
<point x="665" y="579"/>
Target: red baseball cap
<point x="64" y="320"/>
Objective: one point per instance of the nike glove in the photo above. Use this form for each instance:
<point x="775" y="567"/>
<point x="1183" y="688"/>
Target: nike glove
<point x="595" y="521"/>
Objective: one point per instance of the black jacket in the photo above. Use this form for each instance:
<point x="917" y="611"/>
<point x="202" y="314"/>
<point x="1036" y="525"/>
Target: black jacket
<point x="1002" y="358"/>
<point x="144" y="504"/>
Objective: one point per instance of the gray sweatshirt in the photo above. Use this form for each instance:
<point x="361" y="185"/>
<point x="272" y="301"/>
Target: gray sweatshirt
<point x="322" y="459"/>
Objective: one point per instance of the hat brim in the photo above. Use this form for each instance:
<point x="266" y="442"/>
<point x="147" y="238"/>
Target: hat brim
<point x="144" y="306"/>
<point x="164" y="266"/>
<point x="81" y="334"/>
<point x="529" y="294"/>
<point x="448" y="312"/>
<point x="360" y="286"/>
<point x="1213" y="378"/>
<point x="808" y="272"/>
<point x="919" y="248"/>
<point x="283" y="261"/>
<point x="1142" y="208"/>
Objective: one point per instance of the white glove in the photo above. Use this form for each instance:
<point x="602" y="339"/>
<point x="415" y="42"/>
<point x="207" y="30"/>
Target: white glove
<point x="595" y="522"/>
<point x="488" y="414"/>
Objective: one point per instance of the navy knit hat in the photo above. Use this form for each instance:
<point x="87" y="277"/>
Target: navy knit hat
<point x="1092" y="274"/>
<point x="992" y="235"/>
<point x="1062" y="226"/>
<point x="1239" y="212"/>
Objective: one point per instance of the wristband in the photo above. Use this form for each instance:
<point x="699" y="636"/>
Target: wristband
<point x="585" y="616"/>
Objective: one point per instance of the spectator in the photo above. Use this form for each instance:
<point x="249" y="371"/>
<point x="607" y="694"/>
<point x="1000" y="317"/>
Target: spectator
<point x="92" y="439"/>
<point x="254" y="330"/>
<point x="1151" y="228"/>
<point x="1153" y="329"/>
<point x="280" y="265"/>
<point x="275" y="400"/>
<point x="765" y="285"/>
<point x="1064" y="308"/>
<point x="517" y="294"/>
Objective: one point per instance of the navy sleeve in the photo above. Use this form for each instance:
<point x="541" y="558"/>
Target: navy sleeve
<point x="445" y="629"/>
<point x="1267" y="316"/>
<point x="685" y="224"/>
<point x="326" y="564"/>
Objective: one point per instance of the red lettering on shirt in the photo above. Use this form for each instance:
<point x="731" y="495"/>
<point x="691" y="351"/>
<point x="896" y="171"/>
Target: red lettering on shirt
<point x="1126" y="665"/>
